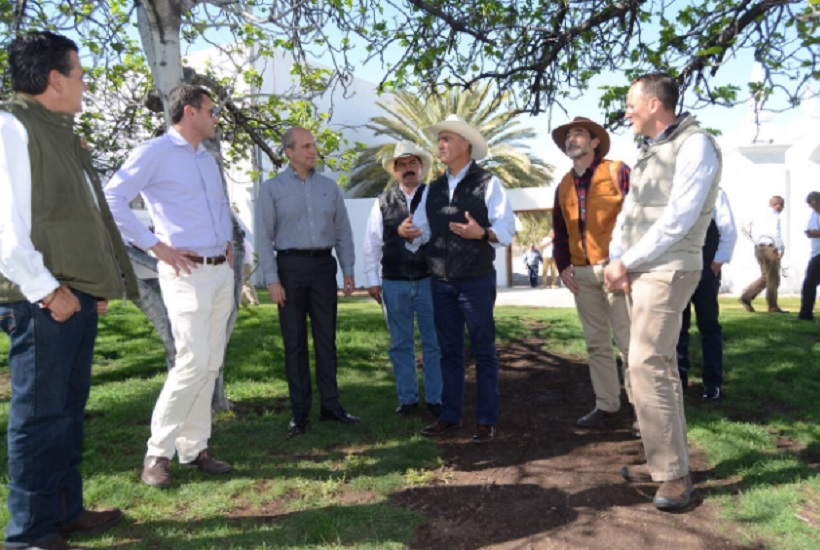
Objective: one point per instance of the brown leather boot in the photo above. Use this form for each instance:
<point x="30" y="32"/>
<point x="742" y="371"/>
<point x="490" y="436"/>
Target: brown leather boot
<point x="674" y="494"/>
<point x="93" y="522"/>
<point x="207" y="464"/>
<point x="156" y="471"/>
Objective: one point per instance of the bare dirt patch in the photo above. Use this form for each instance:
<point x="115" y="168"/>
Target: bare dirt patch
<point x="543" y="483"/>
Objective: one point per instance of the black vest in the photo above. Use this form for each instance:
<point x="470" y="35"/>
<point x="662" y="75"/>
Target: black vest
<point x="448" y="255"/>
<point x="398" y="263"/>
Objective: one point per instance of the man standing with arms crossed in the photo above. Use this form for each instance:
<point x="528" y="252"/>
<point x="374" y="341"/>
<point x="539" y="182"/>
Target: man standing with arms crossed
<point x="462" y="217"/>
<point x="405" y="288"/>
<point x="656" y="254"/>
<point x="587" y="202"/>
<point x="182" y="187"/>
<point x="61" y="259"/>
<point x="301" y="215"/>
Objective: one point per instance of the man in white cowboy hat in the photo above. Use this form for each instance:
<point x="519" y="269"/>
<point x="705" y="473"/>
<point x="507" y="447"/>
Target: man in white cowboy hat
<point x="463" y="216"/>
<point x="587" y="202"/>
<point x="404" y="289"/>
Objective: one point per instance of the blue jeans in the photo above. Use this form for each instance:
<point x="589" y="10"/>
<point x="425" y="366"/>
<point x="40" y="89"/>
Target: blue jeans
<point x="705" y="300"/>
<point x="402" y="299"/>
<point x="50" y="365"/>
<point x="469" y="301"/>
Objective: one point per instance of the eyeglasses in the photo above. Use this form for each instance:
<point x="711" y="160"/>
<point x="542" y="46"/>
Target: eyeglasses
<point x="215" y="111"/>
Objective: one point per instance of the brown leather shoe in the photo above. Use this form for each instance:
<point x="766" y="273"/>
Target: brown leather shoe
<point x="207" y="464"/>
<point x="638" y="473"/>
<point x="747" y="304"/>
<point x="675" y="494"/>
<point x="93" y="522"/>
<point x="439" y="427"/>
<point x="596" y="418"/>
<point x="54" y="543"/>
<point x="156" y="471"/>
<point x="484" y="434"/>
<point x="777" y="310"/>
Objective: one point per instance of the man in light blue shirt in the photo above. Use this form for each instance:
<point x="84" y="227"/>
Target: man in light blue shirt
<point x="769" y="249"/>
<point x="181" y="185"/>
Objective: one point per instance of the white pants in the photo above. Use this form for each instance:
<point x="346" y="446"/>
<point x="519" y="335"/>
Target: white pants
<point x="199" y="305"/>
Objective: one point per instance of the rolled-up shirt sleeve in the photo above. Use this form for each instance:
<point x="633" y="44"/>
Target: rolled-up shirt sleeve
<point x="372" y="249"/>
<point x="20" y="262"/>
<point x="500" y="214"/>
<point x="727" y="230"/>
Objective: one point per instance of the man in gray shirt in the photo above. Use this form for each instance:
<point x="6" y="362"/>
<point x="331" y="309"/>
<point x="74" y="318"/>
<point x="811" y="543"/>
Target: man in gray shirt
<point x="301" y="216"/>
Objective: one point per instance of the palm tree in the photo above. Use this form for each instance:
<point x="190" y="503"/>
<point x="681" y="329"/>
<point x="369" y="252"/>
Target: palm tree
<point x="407" y="114"/>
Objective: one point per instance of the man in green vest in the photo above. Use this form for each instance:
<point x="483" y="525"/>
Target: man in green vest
<point x="61" y="259"/>
<point x="656" y="254"/>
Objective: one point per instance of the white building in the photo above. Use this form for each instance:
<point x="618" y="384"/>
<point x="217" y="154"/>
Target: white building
<point x="774" y="158"/>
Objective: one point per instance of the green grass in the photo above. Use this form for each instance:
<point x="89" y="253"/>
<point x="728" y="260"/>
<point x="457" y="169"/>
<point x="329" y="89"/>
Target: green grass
<point x="332" y="487"/>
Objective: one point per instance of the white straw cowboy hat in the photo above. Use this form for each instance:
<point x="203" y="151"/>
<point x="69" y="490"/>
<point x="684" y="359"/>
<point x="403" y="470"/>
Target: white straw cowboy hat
<point x="455" y="124"/>
<point x="406" y="148"/>
<point x="559" y="135"/>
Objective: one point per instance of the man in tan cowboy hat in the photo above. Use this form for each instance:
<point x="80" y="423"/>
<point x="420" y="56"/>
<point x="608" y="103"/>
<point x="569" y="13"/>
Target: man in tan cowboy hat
<point x="587" y="202"/>
<point x="404" y="289"/>
<point x="463" y="216"/>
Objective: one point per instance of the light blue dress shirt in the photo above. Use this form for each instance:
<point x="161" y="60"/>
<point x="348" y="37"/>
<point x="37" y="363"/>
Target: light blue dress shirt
<point x="182" y="190"/>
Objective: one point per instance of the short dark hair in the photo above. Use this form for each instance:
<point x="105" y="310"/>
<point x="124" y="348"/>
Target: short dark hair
<point x="813" y="198"/>
<point x="182" y="95"/>
<point x="32" y="57"/>
<point x="778" y="199"/>
<point x="662" y="86"/>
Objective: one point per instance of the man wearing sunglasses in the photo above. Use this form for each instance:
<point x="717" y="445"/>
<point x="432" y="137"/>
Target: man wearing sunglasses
<point x="182" y="188"/>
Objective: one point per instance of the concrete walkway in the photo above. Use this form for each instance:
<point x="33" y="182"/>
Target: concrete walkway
<point x="535" y="297"/>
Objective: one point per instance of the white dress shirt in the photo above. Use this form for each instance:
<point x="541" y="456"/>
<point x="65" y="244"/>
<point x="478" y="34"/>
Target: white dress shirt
<point x="765" y="230"/>
<point x="374" y="239"/>
<point x="725" y="221"/>
<point x="695" y="168"/>
<point x="19" y="261"/>
<point x="499" y="211"/>
<point x="814" y="225"/>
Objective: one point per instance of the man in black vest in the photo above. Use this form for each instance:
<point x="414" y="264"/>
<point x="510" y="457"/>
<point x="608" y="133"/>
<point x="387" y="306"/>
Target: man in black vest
<point x="405" y="290"/>
<point x="61" y="259"/>
<point x="463" y="215"/>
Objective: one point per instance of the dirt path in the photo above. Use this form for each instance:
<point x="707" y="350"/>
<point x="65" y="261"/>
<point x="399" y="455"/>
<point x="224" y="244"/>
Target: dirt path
<point x="545" y="484"/>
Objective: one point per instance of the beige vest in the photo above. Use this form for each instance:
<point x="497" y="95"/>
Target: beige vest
<point x="651" y="187"/>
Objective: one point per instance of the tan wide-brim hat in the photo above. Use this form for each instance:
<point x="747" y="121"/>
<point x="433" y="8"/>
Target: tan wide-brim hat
<point x="455" y="124"/>
<point x="406" y="148"/>
<point x="559" y="135"/>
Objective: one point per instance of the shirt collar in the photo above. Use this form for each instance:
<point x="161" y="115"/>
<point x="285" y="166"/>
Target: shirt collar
<point x="454" y="179"/>
<point x="295" y="175"/>
<point x="177" y="139"/>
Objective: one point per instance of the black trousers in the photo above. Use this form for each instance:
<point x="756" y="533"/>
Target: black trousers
<point x="705" y="300"/>
<point x="310" y="290"/>
<point x="809" y="291"/>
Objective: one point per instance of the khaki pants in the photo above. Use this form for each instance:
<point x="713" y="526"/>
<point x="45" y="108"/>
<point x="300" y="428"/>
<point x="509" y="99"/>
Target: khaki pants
<point x="551" y="268"/>
<point x="769" y="261"/>
<point x="603" y="314"/>
<point x="656" y="301"/>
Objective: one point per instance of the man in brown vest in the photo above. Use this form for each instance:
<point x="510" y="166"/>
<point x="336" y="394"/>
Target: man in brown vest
<point x="656" y="255"/>
<point x="587" y="203"/>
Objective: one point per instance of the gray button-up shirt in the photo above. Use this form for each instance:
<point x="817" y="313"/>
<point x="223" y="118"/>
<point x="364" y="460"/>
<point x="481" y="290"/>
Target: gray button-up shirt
<point x="304" y="215"/>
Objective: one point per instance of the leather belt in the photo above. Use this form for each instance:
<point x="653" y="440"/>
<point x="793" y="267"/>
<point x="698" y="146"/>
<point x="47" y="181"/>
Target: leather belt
<point x="309" y="253"/>
<point x="208" y="260"/>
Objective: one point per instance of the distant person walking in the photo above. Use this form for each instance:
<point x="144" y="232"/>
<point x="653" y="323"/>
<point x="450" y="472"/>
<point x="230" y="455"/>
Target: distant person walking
<point x="532" y="259"/>
<point x="550" y="267"/>
<point x="769" y="248"/>
<point x="809" y="292"/>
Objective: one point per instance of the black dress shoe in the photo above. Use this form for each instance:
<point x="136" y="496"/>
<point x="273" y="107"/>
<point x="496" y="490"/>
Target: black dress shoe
<point x="596" y="418"/>
<point x="484" y="434"/>
<point x="297" y="427"/>
<point x="711" y="393"/>
<point x="339" y="416"/>
<point x="407" y="410"/>
<point x="435" y="409"/>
